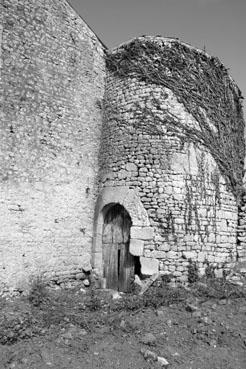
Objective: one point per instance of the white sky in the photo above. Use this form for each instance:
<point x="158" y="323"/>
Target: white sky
<point x="219" y="25"/>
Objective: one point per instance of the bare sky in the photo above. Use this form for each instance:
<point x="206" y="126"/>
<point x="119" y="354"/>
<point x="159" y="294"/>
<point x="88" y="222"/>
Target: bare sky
<point x="219" y="25"/>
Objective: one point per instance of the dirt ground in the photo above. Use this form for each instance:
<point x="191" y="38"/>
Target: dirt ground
<point x="87" y="330"/>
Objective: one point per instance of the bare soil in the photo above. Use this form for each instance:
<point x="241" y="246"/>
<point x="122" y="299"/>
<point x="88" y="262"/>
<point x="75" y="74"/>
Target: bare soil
<point x="76" y="329"/>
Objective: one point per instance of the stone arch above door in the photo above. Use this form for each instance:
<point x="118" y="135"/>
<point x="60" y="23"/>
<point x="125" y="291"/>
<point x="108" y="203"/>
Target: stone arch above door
<point x="140" y="230"/>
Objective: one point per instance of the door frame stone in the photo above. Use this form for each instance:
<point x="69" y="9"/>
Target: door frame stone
<point x="141" y="231"/>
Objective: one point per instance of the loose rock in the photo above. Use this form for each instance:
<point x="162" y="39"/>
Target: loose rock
<point x="86" y="283"/>
<point x="162" y="361"/>
<point x="191" y="308"/>
<point x="149" y="354"/>
<point x="148" y="339"/>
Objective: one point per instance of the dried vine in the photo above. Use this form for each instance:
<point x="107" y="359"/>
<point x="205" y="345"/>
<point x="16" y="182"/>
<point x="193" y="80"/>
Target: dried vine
<point x="202" y="84"/>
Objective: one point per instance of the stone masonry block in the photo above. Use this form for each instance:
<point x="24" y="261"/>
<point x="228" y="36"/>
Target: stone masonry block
<point x="210" y="258"/>
<point x="142" y="233"/>
<point x="122" y="174"/>
<point x="136" y="247"/>
<point x="159" y="254"/>
<point x="189" y="254"/>
<point x="149" y="266"/>
<point x="131" y="167"/>
<point x="172" y="255"/>
<point x="164" y="247"/>
<point x="201" y="256"/>
<point x="97" y="260"/>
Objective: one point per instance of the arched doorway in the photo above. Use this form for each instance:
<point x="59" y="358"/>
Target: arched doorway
<point x="119" y="264"/>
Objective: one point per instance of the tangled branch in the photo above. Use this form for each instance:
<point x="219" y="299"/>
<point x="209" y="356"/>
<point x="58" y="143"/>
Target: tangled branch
<point x="199" y="82"/>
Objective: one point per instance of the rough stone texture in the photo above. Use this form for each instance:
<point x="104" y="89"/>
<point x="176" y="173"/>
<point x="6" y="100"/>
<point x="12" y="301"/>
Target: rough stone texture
<point x="136" y="247"/>
<point x="191" y="211"/>
<point x="149" y="266"/>
<point x="142" y="233"/>
<point x="52" y="84"/>
<point x="241" y="236"/>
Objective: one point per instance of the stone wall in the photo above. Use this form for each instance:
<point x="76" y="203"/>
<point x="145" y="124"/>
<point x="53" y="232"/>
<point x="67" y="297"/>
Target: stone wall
<point x="241" y="240"/>
<point x="192" y="214"/>
<point x="54" y="162"/>
<point x="52" y="82"/>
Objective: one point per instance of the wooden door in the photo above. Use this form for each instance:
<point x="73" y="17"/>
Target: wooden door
<point x="118" y="262"/>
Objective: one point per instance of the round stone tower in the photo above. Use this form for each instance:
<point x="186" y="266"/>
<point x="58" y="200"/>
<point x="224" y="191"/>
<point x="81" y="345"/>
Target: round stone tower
<point x="172" y="156"/>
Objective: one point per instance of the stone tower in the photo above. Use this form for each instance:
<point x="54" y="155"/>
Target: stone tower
<point x="161" y="156"/>
<point x="52" y="81"/>
<point x="133" y="170"/>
